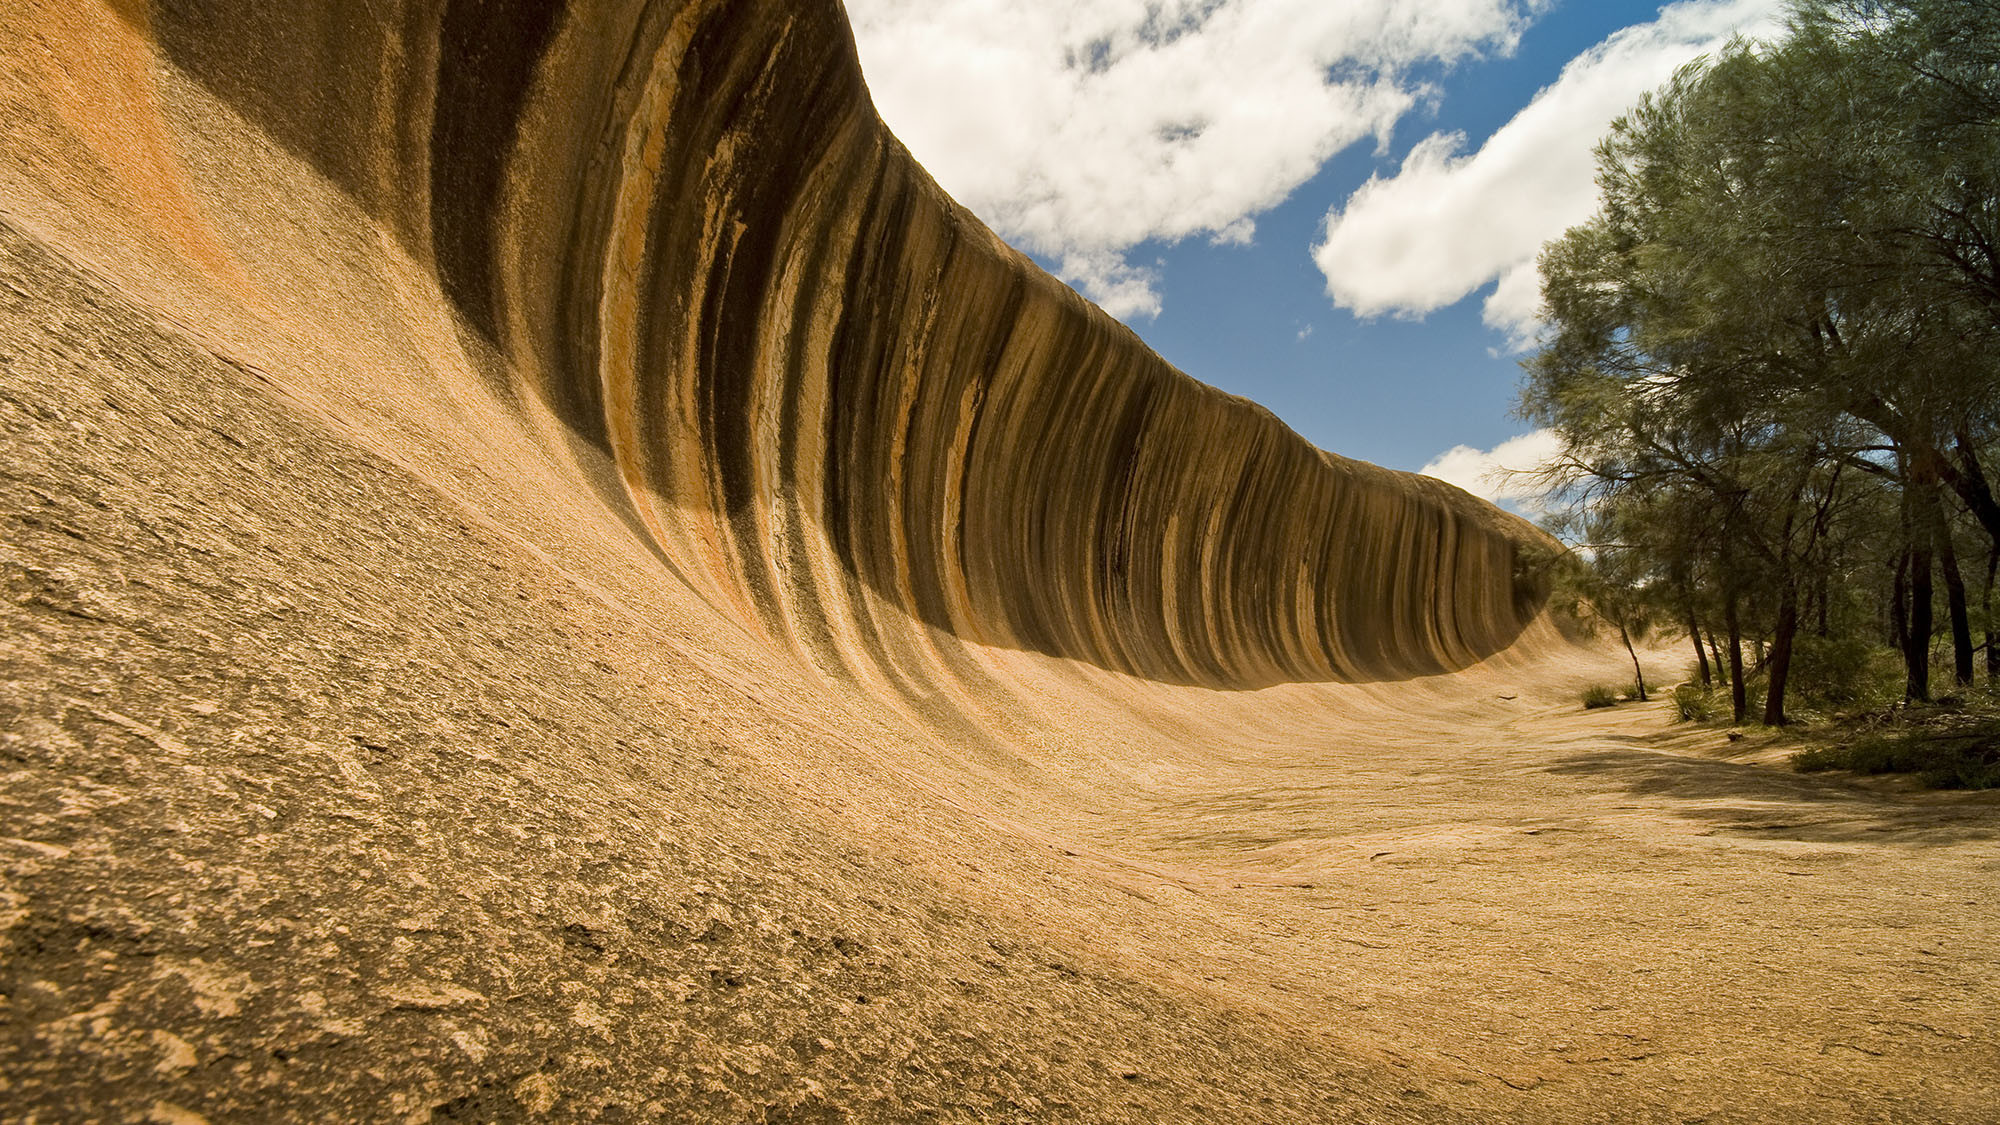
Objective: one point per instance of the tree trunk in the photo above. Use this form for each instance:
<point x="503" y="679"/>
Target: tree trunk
<point x="1899" y="604"/>
<point x="1701" y="658"/>
<point x="1954" y="591"/>
<point x="1638" y="675"/>
<point x="1715" y="652"/>
<point x="1918" y="624"/>
<point x="1961" y="625"/>
<point x="1986" y="605"/>
<point x="1917" y="645"/>
<point x="1738" y="705"/>
<point x="1968" y="479"/>
<point x="1781" y="658"/>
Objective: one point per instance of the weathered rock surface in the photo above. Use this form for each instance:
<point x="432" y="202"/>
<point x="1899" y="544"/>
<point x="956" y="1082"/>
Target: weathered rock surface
<point x="551" y="573"/>
<point x="829" y="395"/>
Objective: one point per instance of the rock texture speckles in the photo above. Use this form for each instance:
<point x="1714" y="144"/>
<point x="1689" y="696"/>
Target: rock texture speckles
<point x="431" y="434"/>
<point x="315" y="810"/>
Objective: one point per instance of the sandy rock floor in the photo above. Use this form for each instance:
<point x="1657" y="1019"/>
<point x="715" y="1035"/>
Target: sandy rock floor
<point x="324" y="797"/>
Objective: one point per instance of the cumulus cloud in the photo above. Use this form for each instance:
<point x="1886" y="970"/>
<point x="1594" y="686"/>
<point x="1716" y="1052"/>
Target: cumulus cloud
<point x="1079" y="130"/>
<point x="1495" y="473"/>
<point x="1450" y="222"/>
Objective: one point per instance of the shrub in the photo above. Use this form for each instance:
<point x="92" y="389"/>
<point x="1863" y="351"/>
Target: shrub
<point x="1964" y="758"/>
<point x="1693" y="703"/>
<point x="1845" y="673"/>
<point x="1597" y="695"/>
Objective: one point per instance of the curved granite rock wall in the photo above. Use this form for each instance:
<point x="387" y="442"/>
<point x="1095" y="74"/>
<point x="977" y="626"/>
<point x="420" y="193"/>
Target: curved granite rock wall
<point x="831" y="397"/>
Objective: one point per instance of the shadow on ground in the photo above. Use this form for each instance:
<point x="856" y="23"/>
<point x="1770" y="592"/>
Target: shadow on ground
<point x="1771" y="803"/>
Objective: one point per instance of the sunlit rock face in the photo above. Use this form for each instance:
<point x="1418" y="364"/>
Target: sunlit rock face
<point x="829" y="395"/>
<point x="550" y="574"/>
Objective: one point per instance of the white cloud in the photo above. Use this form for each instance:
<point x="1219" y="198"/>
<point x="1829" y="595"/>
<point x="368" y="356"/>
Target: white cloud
<point x="1448" y="223"/>
<point x="1514" y="306"/>
<point x="1119" y="287"/>
<point x="1081" y="129"/>
<point x="1494" y="473"/>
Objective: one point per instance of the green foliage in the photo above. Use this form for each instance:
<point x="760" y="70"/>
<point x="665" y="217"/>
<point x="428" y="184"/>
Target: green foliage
<point x="1847" y="673"/>
<point x="1952" y="744"/>
<point x="1962" y="759"/>
<point x="1599" y="695"/>
<point x="1776" y="346"/>
<point x="1694" y="704"/>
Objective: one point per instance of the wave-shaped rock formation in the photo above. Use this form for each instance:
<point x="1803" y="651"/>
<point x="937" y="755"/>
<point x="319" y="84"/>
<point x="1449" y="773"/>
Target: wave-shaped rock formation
<point x="831" y="397"/>
<point x="552" y="572"/>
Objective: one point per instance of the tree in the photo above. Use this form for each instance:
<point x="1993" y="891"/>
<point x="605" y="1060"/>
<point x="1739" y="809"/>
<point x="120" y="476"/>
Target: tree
<point x="1707" y="333"/>
<point x="1753" y="323"/>
<point x="1609" y="580"/>
<point x="1657" y="419"/>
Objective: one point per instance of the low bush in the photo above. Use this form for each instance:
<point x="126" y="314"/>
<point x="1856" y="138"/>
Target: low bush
<point x="1597" y="695"/>
<point x="1842" y="674"/>
<point x="1955" y="755"/>
<point x="1693" y="703"/>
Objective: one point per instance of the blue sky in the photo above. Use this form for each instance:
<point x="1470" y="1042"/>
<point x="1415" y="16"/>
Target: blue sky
<point x="1328" y="206"/>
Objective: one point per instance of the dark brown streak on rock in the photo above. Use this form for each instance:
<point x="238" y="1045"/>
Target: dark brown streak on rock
<point x="488" y="51"/>
<point x="1109" y="509"/>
